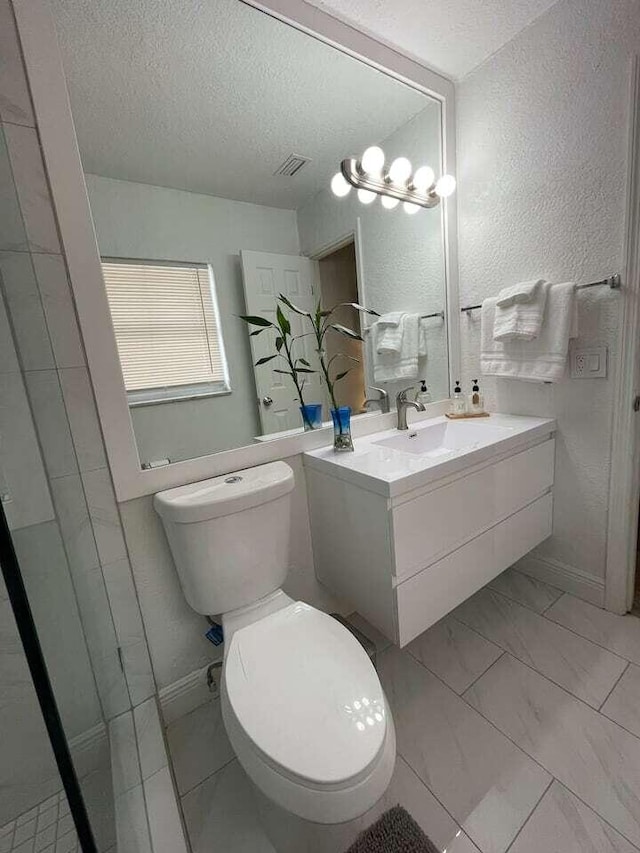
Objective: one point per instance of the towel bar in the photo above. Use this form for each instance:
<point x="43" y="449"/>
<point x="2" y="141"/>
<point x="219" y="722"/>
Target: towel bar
<point x="613" y="281"/>
<point x="422" y="317"/>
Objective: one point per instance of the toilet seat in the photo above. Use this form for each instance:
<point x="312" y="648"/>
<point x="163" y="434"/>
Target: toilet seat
<point x="306" y="714"/>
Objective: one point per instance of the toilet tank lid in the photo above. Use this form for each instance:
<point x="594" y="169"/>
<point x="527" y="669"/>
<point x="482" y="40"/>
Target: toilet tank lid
<point x="224" y="495"/>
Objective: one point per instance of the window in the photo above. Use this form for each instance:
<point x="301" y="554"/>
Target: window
<point x="166" y="323"/>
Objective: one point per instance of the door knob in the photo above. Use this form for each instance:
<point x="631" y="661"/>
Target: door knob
<point x="267" y="401"/>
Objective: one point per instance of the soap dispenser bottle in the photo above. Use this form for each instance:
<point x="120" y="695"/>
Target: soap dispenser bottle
<point x="458" y="403"/>
<point x="423" y="395"/>
<point x="476" y="399"/>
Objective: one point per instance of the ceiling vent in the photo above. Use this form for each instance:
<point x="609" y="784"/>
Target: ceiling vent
<point x="292" y="165"/>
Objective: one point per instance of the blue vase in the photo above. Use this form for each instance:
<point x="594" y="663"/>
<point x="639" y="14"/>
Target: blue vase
<point x="311" y="415"/>
<point x="342" y="429"/>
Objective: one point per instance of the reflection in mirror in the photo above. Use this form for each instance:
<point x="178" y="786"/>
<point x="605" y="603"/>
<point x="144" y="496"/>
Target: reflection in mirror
<point x="209" y="165"/>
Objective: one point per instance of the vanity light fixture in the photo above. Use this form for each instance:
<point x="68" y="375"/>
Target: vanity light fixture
<point x="395" y="184"/>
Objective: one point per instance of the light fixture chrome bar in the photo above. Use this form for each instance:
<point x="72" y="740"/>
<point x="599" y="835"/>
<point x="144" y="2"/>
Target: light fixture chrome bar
<point x="361" y="181"/>
<point x="614" y="282"/>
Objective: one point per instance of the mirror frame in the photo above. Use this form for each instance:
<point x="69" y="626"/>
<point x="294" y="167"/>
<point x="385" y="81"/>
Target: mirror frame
<point x="62" y="157"/>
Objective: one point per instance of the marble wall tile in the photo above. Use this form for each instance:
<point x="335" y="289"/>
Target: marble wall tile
<point x="25" y="311"/>
<point x="487" y="784"/>
<point x="13" y="236"/>
<point x="132" y="829"/>
<point x="619" y="634"/>
<point x="104" y="515"/>
<point x="151" y="744"/>
<point x="83" y="418"/>
<point x="563" y="822"/>
<point x="112" y="686"/>
<point x="125" y="765"/>
<point x="50" y="415"/>
<point x="15" y="102"/>
<point x="623" y="705"/>
<point x="22" y="472"/>
<point x="199" y="745"/>
<point x="593" y="757"/>
<point x="586" y="670"/>
<point x="526" y="590"/>
<point x="75" y="524"/>
<point x="138" y="671"/>
<point x="46" y="576"/>
<point x="32" y="188"/>
<point x="167" y="834"/>
<point x="8" y="356"/>
<point x="59" y="310"/>
<point x="454" y="652"/>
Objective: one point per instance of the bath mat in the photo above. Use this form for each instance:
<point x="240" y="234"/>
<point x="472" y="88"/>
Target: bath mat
<point x="394" y="832"/>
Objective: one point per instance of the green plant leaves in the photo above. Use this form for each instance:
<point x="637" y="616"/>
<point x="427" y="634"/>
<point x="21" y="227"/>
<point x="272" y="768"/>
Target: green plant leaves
<point x="293" y="307"/>
<point x="254" y="320"/>
<point x="279" y="343"/>
<point x="283" y="322"/>
<point x="342" y="375"/>
<point x="265" y="359"/>
<point x="348" y="333"/>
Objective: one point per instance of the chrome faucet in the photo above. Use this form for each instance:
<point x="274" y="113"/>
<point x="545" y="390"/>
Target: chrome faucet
<point x="402" y="404"/>
<point x="382" y="400"/>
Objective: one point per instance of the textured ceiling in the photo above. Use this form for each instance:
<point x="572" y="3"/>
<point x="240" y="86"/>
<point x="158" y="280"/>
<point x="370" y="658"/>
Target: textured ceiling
<point x="211" y="96"/>
<point x="450" y="36"/>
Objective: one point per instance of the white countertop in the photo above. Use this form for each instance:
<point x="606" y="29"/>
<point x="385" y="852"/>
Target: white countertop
<point x="390" y="471"/>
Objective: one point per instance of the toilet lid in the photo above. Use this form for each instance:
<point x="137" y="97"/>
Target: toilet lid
<point x="306" y="694"/>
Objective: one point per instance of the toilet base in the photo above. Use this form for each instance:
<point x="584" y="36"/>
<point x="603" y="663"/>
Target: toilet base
<point x="289" y="833"/>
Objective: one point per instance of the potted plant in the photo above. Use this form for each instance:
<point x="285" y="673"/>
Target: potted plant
<point x="321" y="323"/>
<point x="284" y="344"/>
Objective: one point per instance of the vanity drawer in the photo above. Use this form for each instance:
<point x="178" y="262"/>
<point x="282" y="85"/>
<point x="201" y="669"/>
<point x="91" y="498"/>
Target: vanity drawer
<point x="455" y="513"/>
<point x="427" y="597"/>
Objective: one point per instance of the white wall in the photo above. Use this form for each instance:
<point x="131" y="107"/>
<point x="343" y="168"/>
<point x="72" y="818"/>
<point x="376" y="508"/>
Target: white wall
<point x="154" y="223"/>
<point x="402" y="256"/>
<point x="542" y="165"/>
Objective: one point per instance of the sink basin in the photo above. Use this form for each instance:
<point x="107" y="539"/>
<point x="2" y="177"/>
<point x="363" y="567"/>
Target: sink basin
<point x="442" y="438"/>
<point x="392" y="462"/>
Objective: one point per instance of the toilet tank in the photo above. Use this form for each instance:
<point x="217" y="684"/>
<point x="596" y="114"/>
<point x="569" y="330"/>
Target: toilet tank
<point x="229" y="536"/>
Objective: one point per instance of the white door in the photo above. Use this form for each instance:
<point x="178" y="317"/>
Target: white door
<point x="265" y="276"/>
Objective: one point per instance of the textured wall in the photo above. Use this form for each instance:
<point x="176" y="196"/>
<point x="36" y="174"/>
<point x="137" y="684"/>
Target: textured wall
<point x="542" y="166"/>
<point x="402" y="255"/>
<point x="141" y="221"/>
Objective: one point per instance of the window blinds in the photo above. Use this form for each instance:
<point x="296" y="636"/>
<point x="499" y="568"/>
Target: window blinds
<point x="165" y="324"/>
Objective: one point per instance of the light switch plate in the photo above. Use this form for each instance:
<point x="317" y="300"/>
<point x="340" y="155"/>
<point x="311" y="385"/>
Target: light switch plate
<point x="589" y="363"/>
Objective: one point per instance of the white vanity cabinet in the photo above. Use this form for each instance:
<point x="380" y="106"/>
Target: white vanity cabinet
<point x="404" y="559"/>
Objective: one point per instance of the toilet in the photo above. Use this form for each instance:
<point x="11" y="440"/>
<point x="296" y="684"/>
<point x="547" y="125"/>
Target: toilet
<point x="301" y="701"/>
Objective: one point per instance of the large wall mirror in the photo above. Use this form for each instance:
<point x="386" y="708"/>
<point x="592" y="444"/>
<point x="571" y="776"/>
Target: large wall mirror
<point x="208" y="151"/>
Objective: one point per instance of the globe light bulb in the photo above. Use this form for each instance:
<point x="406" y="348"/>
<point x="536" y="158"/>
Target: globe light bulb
<point x="423" y="179"/>
<point x="400" y="170"/>
<point x="389" y="202"/>
<point x="339" y="185"/>
<point x="445" y="186"/>
<point x="366" y="196"/>
<point x="372" y="160"/>
<point x="411" y="208"/>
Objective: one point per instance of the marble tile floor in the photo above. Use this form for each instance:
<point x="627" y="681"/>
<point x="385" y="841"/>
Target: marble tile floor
<point x="46" y="828"/>
<point x="518" y="726"/>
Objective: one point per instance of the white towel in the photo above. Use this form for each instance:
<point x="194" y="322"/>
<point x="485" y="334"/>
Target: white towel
<point x="524" y="291"/>
<point x="389" y="328"/>
<point x="540" y="360"/>
<point x="519" y="311"/>
<point x="394" y="366"/>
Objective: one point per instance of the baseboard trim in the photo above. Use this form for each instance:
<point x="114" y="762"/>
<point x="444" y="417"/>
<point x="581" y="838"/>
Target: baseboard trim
<point x="185" y="695"/>
<point x="564" y="577"/>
